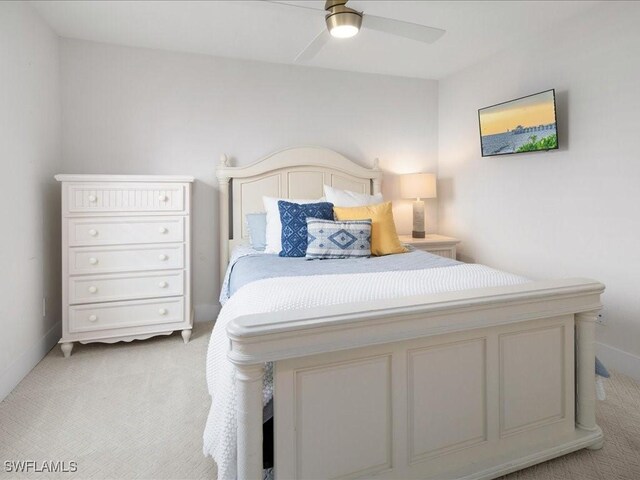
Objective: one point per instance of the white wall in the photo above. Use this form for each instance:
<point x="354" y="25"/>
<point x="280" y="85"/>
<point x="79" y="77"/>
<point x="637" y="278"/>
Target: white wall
<point x="29" y="199"/>
<point x="572" y="212"/>
<point x="131" y="110"/>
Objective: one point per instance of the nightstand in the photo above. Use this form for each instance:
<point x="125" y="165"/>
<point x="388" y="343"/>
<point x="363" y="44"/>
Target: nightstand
<point x="436" y="244"/>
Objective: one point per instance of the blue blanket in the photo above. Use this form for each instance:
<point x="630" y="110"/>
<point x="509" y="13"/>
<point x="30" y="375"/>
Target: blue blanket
<point x="247" y="266"/>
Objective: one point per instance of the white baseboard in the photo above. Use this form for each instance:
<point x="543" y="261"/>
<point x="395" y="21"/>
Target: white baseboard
<point x="619" y="360"/>
<point x="206" y="313"/>
<point x="13" y="375"/>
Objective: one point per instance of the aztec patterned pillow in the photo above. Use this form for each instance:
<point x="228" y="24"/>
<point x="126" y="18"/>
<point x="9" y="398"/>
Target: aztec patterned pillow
<point x="294" y="224"/>
<point x="346" y="239"/>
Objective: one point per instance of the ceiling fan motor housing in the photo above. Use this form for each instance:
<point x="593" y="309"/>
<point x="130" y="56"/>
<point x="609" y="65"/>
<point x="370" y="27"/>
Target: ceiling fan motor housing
<point x="340" y="16"/>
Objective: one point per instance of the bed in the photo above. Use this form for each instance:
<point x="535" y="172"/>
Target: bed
<point x="442" y="371"/>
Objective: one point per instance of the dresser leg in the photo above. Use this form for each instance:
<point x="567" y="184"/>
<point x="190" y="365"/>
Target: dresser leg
<point x="66" y="349"/>
<point x="186" y="335"/>
<point x="596" y="446"/>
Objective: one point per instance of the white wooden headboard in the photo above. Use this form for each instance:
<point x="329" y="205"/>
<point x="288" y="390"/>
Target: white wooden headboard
<point x="298" y="172"/>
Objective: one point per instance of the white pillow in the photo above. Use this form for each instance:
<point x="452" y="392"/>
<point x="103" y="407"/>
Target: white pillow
<point x="274" y="225"/>
<point x="345" y="198"/>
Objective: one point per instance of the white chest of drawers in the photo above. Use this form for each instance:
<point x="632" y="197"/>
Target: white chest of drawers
<point x="126" y="257"/>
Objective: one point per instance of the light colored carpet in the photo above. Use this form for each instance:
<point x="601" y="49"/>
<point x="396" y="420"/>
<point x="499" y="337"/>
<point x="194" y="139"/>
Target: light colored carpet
<point x="127" y="410"/>
<point x="137" y="410"/>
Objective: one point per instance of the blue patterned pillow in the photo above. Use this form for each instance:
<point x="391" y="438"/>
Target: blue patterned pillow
<point x="342" y="239"/>
<point x="294" y="224"/>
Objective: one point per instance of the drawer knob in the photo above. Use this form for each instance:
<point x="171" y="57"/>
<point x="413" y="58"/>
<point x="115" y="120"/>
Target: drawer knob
<point x="163" y="230"/>
<point x="163" y="198"/>
<point x="93" y="198"/>
<point x="93" y="318"/>
<point x="162" y="311"/>
<point x="93" y="232"/>
<point x="163" y="257"/>
<point x="93" y="261"/>
<point x="163" y="284"/>
<point x="93" y="289"/>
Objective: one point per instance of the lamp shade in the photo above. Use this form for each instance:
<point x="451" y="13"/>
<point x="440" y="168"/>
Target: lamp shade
<point x="418" y="185"/>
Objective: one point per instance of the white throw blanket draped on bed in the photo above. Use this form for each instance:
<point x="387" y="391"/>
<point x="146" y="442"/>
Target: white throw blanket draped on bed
<point x="290" y="293"/>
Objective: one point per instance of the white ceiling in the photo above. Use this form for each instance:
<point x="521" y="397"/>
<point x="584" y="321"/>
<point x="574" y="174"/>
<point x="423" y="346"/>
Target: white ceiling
<point x="271" y="32"/>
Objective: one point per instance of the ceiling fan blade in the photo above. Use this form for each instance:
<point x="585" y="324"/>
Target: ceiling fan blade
<point x="314" y="47"/>
<point x="412" y="31"/>
<point x="302" y="7"/>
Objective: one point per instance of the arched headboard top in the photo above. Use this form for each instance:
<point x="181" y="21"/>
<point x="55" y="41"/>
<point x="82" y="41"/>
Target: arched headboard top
<point x="297" y="172"/>
<point x="298" y="157"/>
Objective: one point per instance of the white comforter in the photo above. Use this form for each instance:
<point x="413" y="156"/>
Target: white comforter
<point x="289" y="293"/>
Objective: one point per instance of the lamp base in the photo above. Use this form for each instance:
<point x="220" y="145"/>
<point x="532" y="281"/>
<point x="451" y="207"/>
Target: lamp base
<point x="418" y="219"/>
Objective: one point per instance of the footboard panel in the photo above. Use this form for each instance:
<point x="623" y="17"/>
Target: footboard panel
<point x="461" y="385"/>
<point x="415" y="409"/>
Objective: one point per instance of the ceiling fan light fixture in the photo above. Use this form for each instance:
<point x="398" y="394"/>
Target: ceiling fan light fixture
<point x="344" y="31"/>
<point x="344" y="24"/>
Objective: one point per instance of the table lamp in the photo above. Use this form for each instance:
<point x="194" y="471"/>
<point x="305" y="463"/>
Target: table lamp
<point x="418" y="186"/>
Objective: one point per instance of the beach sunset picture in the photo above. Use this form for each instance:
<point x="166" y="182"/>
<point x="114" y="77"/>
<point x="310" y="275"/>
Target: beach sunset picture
<point x="527" y="124"/>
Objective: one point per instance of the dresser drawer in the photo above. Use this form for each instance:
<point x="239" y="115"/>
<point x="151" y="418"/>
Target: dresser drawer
<point x="102" y="316"/>
<point x="125" y="197"/>
<point x="125" y="259"/>
<point x="125" y="286"/>
<point x="124" y="230"/>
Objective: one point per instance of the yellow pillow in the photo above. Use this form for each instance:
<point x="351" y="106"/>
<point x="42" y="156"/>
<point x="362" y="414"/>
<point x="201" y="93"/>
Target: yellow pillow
<point x="384" y="239"/>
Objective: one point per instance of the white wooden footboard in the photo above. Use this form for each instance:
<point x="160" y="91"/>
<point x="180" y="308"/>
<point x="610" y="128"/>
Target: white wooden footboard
<point x="471" y="384"/>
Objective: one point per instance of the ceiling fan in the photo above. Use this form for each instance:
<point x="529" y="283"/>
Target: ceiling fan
<point x="345" y="22"/>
